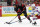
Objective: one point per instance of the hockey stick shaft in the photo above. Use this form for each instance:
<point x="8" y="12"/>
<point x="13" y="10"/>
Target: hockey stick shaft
<point x="18" y="20"/>
<point x="13" y="19"/>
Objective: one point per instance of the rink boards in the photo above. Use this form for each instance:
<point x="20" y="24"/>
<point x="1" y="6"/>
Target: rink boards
<point x="9" y="11"/>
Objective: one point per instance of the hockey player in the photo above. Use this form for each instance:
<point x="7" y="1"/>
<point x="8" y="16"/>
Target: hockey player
<point x="20" y="8"/>
<point x="34" y="10"/>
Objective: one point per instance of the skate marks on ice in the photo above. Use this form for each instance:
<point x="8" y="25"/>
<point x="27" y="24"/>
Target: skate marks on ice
<point x="25" y="22"/>
<point x="14" y="21"/>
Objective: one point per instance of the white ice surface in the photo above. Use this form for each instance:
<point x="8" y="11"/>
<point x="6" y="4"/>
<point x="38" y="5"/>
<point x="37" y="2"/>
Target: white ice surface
<point x="25" y="22"/>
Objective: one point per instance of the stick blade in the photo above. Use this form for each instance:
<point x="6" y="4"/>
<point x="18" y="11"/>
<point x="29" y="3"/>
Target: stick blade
<point x="8" y="23"/>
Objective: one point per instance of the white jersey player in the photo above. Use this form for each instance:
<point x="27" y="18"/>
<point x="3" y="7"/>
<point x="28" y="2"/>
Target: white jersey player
<point x="34" y="10"/>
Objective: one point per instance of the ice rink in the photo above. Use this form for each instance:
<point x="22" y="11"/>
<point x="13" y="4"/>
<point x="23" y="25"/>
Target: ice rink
<point x="25" y="22"/>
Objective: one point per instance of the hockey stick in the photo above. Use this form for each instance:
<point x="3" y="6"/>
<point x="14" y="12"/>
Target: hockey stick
<point x="15" y="21"/>
<point x="11" y="20"/>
